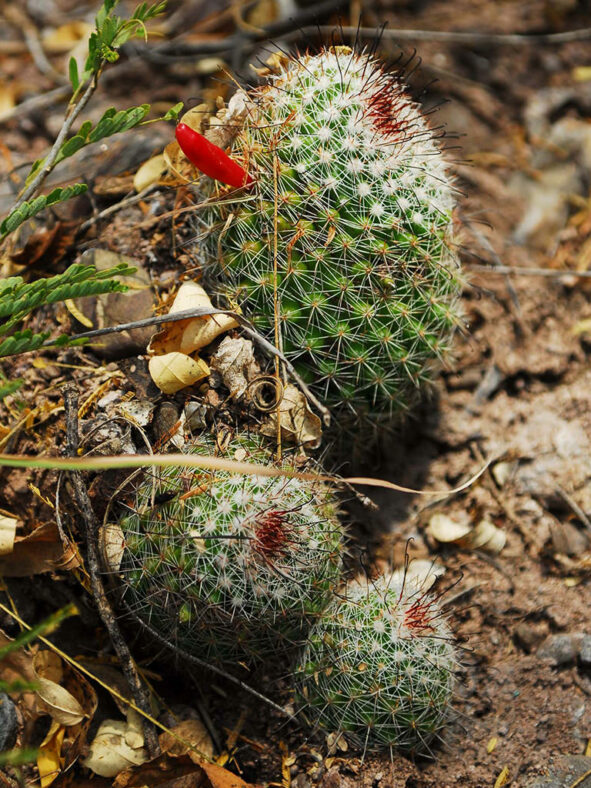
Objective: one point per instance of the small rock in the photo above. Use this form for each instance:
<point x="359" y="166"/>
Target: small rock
<point x="165" y="419"/>
<point x="561" y="649"/>
<point x="301" y="781"/>
<point x="585" y="652"/>
<point x="8" y="722"/>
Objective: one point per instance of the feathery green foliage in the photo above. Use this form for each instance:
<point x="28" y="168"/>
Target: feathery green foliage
<point x="32" y="207"/>
<point x="19" y="298"/>
<point x="352" y="201"/>
<point x="228" y="567"/>
<point x="379" y="668"/>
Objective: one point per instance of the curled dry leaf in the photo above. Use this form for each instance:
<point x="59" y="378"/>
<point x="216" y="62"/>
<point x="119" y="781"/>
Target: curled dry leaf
<point x="117" y="745"/>
<point x="7" y="533"/>
<point x="53" y="698"/>
<point x="420" y="574"/>
<point x="485" y="536"/>
<point x="235" y="362"/>
<point x="112" y="546"/>
<point x="299" y="424"/>
<point x="175" y="371"/>
<point x="194" y="735"/>
<point x="172" y="367"/>
<point x="40" y="551"/>
<point x="194" y="333"/>
<point x="150" y="172"/>
<point x="49" y="757"/>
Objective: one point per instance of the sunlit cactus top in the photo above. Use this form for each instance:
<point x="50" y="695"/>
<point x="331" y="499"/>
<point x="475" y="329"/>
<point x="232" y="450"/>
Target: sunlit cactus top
<point x="345" y="236"/>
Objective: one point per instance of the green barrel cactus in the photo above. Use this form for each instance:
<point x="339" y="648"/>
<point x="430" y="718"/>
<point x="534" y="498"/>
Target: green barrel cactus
<point x="229" y="567"/>
<point x="378" y="668"/>
<point x="342" y="244"/>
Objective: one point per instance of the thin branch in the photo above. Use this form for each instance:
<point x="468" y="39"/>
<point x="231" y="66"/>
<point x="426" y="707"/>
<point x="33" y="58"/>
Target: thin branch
<point x="124" y="203"/>
<point x="551" y="273"/>
<point x="61" y="137"/>
<point x="91" y="527"/>
<point x="503" y="39"/>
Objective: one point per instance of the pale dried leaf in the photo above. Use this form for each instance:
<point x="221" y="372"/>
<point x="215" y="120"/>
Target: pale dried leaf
<point x="420" y="574"/>
<point x="112" y="546"/>
<point x="299" y="424"/>
<point x="149" y="172"/>
<point x="54" y="699"/>
<point x="7" y="98"/>
<point x="110" y="753"/>
<point x="175" y="371"/>
<point x="442" y="528"/>
<point x="194" y="733"/>
<point x="189" y="336"/>
<point x="49" y="760"/>
<point x="235" y="361"/>
<point x="7" y="533"/>
<point x="64" y="37"/>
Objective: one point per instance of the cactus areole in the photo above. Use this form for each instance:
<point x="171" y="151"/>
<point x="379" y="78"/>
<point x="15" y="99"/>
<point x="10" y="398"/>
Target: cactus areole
<point x="342" y="245"/>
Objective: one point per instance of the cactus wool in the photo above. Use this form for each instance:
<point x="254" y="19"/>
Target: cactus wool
<point x="230" y="567"/>
<point x="378" y="667"/>
<point x="340" y="249"/>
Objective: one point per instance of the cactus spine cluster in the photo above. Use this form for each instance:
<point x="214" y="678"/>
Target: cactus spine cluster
<point x="342" y="247"/>
<point x="378" y="667"/>
<point x="230" y="567"/>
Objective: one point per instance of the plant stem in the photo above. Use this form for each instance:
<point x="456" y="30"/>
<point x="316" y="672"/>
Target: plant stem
<point x="91" y="527"/>
<point x="60" y="139"/>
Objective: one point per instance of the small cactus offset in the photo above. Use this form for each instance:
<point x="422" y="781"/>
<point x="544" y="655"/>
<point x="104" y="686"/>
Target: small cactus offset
<point x="341" y="246"/>
<point x="378" y="668"/>
<point x="230" y="567"/>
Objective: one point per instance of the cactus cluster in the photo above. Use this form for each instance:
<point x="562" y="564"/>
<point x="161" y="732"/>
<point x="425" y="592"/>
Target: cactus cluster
<point x="231" y="568"/>
<point x="341" y="248"/>
<point x="378" y="667"/>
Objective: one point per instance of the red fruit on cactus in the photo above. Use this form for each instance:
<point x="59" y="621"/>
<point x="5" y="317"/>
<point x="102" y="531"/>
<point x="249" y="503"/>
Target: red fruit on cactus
<point x="209" y="158"/>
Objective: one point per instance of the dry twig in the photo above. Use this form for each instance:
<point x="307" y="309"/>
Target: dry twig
<point x="91" y="526"/>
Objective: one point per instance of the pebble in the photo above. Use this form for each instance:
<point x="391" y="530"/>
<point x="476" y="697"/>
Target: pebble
<point x="8" y="722"/>
<point x="585" y="653"/>
<point x="561" y="649"/>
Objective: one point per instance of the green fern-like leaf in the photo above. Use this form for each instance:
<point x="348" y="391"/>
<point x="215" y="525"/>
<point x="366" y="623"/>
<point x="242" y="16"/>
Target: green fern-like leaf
<point x="18" y="299"/>
<point x="32" y="207"/>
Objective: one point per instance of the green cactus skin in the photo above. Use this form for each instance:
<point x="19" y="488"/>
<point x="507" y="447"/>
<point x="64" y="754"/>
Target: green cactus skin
<point x="378" y="667"/>
<point x="238" y="569"/>
<point x="367" y="279"/>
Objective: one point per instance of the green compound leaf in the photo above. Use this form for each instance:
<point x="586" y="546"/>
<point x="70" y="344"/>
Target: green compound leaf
<point x="32" y="207"/>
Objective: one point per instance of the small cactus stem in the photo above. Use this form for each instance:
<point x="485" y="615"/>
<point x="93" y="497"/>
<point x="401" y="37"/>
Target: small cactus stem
<point x="344" y="253"/>
<point x="209" y="158"/>
<point x="378" y="667"/>
<point x="230" y="568"/>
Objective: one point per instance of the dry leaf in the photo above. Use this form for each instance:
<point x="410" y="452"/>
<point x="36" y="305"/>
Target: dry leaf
<point x="149" y="172"/>
<point x="54" y="699"/>
<point x="111" y="751"/>
<point x="176" y="371"/>
<point x="235" y="361"/>
<point x="112" y="546"/>
<point x="194" y="733"/>
<point x="39" y="551"/>
<point x="49" y="760"/>
<point x="444" y="529"/>
<point x="167" y="772"/>
<point x="192" y="334"/>
<point x="7" y="533"/>
<point x="7" y="98"/>
<point x="485" y="536"/>
<point x="420" y="574"/>
<point x="299" y="424"/>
